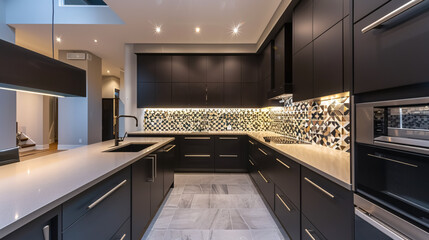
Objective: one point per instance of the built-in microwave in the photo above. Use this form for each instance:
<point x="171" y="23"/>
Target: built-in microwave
<point x="392" y="163"/>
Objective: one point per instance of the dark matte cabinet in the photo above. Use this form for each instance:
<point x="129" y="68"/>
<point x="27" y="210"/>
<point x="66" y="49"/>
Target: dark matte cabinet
<point x="302" y="24"/>
<point x="215" y="94"/>
<point x="180" y="68"/>
<point x="197" y="94"/>
<point x="250" y="94"/>
<point x="163" y="68"/>
<point x="229" y="154"/>
<point x="166" y="160"/>
<point x="157" y="183"/>
<point x="49" y="222"/>
<point x="215" y="68"/>
<point x="309" y="231"/>
<point x="279" y="60"/>
<point x="362" y="8"/>
<point x="328" y="62"/>
<point x="232" y="69"/>
<point x="303" y="74"/>
<point x="124" y="233"/>
<point x="197" y="153"/>
<point x="162" y="94"/>
<point x="249" y="68"/>
<point x="288" y="215"/>
<point x="232" y="94"/>
<point x="393" y="54"/>
<point x="198" y="69"/>
<point x="180" y="95"/>
<point x="146" y="96"/>
<point x="146" y="65"/>
<point x="326" y="13"/>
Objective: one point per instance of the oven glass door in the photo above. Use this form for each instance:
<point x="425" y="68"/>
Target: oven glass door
<point x="396" y="180"/>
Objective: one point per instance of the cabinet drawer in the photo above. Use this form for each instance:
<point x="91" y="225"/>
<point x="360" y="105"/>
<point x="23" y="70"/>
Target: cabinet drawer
<point x="124" y="233"/>
<point x="197" y="162"/>
<point x="327" y="205"/>
<point x="197" y="145"/>
<point x="228" y="162"/>
<point x="286" y="176"/>
<point x="288" y="215"/>
<point x="228" y="145"/>
<point x="309" y="232"/>
<point x="265" y="185"/>
<point x="108" y="211"/>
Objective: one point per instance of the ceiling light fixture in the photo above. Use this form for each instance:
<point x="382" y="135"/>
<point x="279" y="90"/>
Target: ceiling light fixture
<point x="158" y="29"/>
<point x="95" y="40"/>
<point x="108" y="71"/>
<point x="197" y="29"/>
<point x="235" y="30"/>
<point x="58" y="39"/>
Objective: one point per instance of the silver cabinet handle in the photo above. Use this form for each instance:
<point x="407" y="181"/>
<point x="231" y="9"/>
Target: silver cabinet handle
<point x="392" y="160"/>
<point x="320" y="188"/>
<point x="96" y="202"/>
<point x="251" y="162"/>
<point x="391" y="15"/>
<point x="284" y="164"/>
<point x="47" y="232"/>
<point x="281" y="200"/>
<point x="123" y="236"/>
<point x="251" y="142"/>
<point x="156" y="166"/>
<point x="230" y="156"/>
<point x="197" y="138"/>
<point x="196" y="156"/>
<point x="169" y="149"/>
<point x="262" y="176"/>
<point x="228" y="138"/>
<point x="262" y="151"/>
<point x="309" y="234"/>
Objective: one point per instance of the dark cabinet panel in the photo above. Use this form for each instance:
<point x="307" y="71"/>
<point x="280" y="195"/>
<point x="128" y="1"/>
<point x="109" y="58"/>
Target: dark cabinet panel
<point x="214" y="94"/>
<point x="163" y="68"/>
<point x="266" y="69"/>
<point x="303" y="74"/>
<point x="362" y="8"/>
<point x="392" y="55"/>
<point x="180" y="94"/>
<point x="347" y="54"/>
<point x="167" y="159"/>
<point x="328" y="62"/>
<point x="249" y="68"/>
<point x="197" y="94"/>
<point x="302" y="24"/>
<point x="286" y="174"/>
<point x="327" y="205"/>
<point x="279" y="60"/>
<point x="232" y="69"/>
<point x="229" y="154"/>
<point x="50" y="221"/>
<point x="163" y="94"/>
<point x="288" y="215"/>
<point x="309" y="232"/>
<point x="197" y="153"/>
<point x="197" y="68"/>
<point x="146" y="66"/>
<point x="215" y="68"/>
<point x="250" y="95"/>
<point x="124" y="233"/>
<point x="146" y="95"/>
<point x="232" y="94"/>
<point x="141" y="172"/>
<point x="180" y="68"/>
<point x="157" y="185"/>
<point x="326" y="13"/>
<point x="265" y="186"/>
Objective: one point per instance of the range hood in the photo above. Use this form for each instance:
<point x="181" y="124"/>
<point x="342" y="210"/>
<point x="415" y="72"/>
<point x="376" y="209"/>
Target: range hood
<point x="25" y="70"/>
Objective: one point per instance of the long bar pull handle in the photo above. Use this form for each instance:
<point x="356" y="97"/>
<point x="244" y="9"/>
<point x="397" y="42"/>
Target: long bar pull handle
<point x="392" y="160"/>
<point x="202" y="156"/>
<point x="169" y="149"/>
<point x="391" y="15"/>
<point x="197" y="138"/>
<point x="251" y="142"/>
<point x="309" y="234"/>
<point x="228" y="138"/>
<point x="319" y="187"/>
<point x="231" y="156"/>
<point x="262" y="176"/>
<point x="284" y="164"/>
<point x="262" y="151"/>
<point x="96" y="202"/>
<point x="156" y="166"/>
<point x="251" y="162"/>
<point x="123" y="236"/>
<point x="281" y="200"/>
<point x="47" y="232"/>
<point x="152" y="177"/>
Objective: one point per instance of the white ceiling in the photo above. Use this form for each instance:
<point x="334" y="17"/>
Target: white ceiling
<point x="177" y="18"/>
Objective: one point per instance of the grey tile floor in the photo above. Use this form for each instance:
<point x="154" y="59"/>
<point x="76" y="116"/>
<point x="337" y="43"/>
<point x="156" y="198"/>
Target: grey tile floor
<point x="214" y="207"/>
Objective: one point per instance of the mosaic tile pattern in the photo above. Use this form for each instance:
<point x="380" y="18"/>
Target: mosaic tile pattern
<point x="325" y="123"/>
<point x="412" y="117"/>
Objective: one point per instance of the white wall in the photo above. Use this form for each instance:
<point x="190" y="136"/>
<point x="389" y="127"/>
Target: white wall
<point x="7" y="98"/>
<point x="110" y="83"/>
<point x="128" y="90"/>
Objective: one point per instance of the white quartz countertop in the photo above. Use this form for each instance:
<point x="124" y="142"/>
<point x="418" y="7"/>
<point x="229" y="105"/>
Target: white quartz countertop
<point x="31" y="188"/>
<point x="330" y="163"/>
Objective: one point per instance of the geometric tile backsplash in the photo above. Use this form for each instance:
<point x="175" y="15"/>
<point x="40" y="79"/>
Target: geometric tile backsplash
<point x="325" y="123"/>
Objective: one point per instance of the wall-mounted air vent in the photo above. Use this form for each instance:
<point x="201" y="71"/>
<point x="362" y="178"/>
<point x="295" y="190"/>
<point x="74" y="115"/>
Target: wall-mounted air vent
<point x="76" y="56"/>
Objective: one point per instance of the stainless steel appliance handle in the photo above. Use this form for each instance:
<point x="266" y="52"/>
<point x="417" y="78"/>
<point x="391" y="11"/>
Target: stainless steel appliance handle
<point x="391" y="15"/>
<point x="169" y="149"/>
<point x="197" y="138"/>
<point x="309" y="234"/>
<point x="262" y="176"/>
<point x="262" y="151"/>
<point x="96" y="202"/>
<point x="251" y="142"/>
<point x="319" y="187"/>
<point x="281" y="200"/>
<point x="46" y="232"/>
<point x="251" y="162"/>
<point x="123" y="236"/>
<point x="393" y="160"/>
<point x="156" y="165"/>
<point x="231" y="156"/>
<point x="195" y="156"/>
<point x="228" y="138"/>
<point x="382" y="227"/>
<point x="284" y="164"/>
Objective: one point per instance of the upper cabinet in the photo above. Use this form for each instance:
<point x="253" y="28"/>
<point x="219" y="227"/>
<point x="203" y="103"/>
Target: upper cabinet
<point x="232" y="68"/>
<point x="179" y="68"/>
<point x="322" y="66"/>
<point x="362" y="8"/>
<point x="393" y="53"/>
<point x="215" y="68"/>
<point x="197" y="69"/>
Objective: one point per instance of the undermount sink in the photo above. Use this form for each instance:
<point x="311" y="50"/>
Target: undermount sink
<point x="133" y="147"/>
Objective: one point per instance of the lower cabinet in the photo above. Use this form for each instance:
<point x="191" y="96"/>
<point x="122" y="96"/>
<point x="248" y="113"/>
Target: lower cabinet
<point x="229" y="154"/>
<point x="309" y="232"/>
<point x="48" y="226"/>
<point x="124" y="233"/>
<point x="166" y="159"/>
<point x="288" y="214"/>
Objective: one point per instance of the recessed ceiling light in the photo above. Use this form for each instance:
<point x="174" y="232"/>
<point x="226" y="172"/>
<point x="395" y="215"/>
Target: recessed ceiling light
<point x="235" y="30"/>
<point x="197" y="29"/>
<point x="58" y="39"/>
<point x="95" y="40"/>
<point x="157" y="29"/>
<point x="108" y="71"/>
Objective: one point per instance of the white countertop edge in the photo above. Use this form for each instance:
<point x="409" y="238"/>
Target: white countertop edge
<point x="22" y="221"/>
